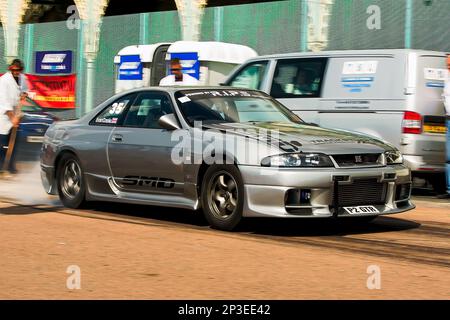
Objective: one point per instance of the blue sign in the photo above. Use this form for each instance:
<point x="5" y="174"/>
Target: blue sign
<point x="436" y="85"/>
<point x="358" y="79"/>
<point x="130" y="68"/>
<point x="53" y="62"/>
<point x="357" y="84"/>
<point x="190" y="63"/>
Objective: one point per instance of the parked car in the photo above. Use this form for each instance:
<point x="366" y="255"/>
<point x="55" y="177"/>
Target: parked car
<point x="394" y="95"/>
<point x="152" y="146"/>
<point x="32" y="128"/>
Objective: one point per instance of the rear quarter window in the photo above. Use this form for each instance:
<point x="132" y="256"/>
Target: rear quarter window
<point x="113" y="114"/>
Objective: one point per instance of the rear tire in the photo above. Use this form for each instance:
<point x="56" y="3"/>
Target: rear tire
<point x="222" y="196"/>
<point x="70" y="181"/>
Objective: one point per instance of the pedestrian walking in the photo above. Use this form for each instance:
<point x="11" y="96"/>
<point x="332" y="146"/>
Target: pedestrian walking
<point x="13" y="89"/>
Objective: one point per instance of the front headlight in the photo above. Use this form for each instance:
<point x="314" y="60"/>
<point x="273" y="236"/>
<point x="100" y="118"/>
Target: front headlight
<point x="304" y="160"/>
<point x="393" y="157"/>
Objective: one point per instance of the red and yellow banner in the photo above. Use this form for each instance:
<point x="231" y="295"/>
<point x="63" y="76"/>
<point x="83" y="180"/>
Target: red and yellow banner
<point x="53" y="91"/>
<point x="56" y="92"/>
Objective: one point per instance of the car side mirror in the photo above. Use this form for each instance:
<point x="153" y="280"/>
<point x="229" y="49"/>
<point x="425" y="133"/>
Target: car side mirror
<point x="169" y="122"/>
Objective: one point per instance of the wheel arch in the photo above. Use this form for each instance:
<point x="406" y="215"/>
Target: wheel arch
<point x="58" y="158"/>
<point x="204" y="167"/>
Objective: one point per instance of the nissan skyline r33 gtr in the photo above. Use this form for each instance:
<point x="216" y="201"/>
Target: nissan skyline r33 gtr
<point x="232" y="153"/>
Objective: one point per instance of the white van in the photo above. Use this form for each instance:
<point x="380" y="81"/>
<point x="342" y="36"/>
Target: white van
<point x="395" y="95"/>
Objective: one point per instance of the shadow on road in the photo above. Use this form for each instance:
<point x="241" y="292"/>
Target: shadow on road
<point x="324" y="227"/>
<point x="163" y="214"/>
<point x="19" y="210"/>
<point x="257" y="226"/>
<point x="262" y="226"/>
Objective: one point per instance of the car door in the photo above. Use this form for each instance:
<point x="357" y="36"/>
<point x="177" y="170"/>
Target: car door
<point x="139" y="150"/>
<point x="94" y="139"/>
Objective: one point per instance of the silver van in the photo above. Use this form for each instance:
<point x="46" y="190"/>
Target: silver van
<point x="395" y="95"/>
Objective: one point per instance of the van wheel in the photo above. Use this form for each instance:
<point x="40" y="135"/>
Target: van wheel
<point x="70" y="182"/>
<point x="439" y="183"/>
<point x="222" y="196"/>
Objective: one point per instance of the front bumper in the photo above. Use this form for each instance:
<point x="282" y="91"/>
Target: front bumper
<point x="266" y="191"/>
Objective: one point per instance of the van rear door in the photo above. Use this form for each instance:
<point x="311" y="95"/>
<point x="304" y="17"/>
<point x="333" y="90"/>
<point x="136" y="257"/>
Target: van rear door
<point x="428" y="73"/>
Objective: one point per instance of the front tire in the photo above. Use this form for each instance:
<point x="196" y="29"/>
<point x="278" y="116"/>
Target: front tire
<point x="71" y="182"/>
<point x="222" y="196"/>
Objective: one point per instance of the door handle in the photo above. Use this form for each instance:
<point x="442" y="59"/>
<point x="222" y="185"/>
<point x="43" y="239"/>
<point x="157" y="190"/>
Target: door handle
<point x="117" y="138"/>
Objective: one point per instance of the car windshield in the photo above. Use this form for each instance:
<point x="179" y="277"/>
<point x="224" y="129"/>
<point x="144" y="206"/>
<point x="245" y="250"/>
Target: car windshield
<point x="218" y="106"/>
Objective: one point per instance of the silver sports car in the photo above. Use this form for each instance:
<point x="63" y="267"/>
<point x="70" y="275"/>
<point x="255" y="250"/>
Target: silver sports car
<point x="232" y="153"/>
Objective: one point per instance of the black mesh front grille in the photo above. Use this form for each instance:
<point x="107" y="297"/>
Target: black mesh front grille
<point x="362" y="192"/>
<point x="352" y="160"/>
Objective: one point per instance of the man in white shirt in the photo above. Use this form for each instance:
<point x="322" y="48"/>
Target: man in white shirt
<point x="12" y="89"/>
<point x="446" y="96"/>
<point x="178" y="78"/>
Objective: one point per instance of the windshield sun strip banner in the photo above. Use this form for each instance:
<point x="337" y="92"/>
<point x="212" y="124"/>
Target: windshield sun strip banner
<point x="192" y="95"/>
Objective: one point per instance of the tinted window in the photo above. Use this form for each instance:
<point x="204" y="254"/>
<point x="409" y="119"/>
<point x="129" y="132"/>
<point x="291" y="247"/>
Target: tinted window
<point x="251" y="76"/>
<point x="114" y="113"/>
<point x="147" y="109"/>
<point x="298" y="78"/>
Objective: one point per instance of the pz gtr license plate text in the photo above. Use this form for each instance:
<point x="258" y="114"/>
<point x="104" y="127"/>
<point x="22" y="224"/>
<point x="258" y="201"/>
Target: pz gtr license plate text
<point x="361" y="209"/>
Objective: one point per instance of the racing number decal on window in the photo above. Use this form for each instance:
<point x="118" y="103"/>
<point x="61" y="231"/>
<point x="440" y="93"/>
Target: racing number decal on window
<point x="117" y="108"/>
<point x="113" y="113"/>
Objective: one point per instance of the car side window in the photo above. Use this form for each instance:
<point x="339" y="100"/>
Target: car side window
<point x="147" y="109"/>
<point x="298" y="78"/>
<point x="251" y="76"/>
<point x="112" y="115"/>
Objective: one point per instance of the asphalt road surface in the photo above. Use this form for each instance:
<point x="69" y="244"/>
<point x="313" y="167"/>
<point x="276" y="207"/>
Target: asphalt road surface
<point x="142" y="252"/>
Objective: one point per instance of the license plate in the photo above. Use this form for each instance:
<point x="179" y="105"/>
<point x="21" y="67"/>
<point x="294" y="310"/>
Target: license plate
<point x="35" y="139"/>
<point x="434" y="129"/>
<point x="361" y="210"/>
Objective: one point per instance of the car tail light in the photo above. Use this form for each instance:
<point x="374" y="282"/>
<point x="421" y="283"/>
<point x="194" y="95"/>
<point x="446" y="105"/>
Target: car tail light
<point x="412" y="122"/>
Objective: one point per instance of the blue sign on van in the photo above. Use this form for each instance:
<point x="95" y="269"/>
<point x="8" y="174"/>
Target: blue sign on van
<point x="190" y="63"/>
<point x="130" y="68"/>
<point x="436" y="84"/>
<point x="53" y="62"/>
<point x="357" y="84"/>
<point x="358" y="79"/>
